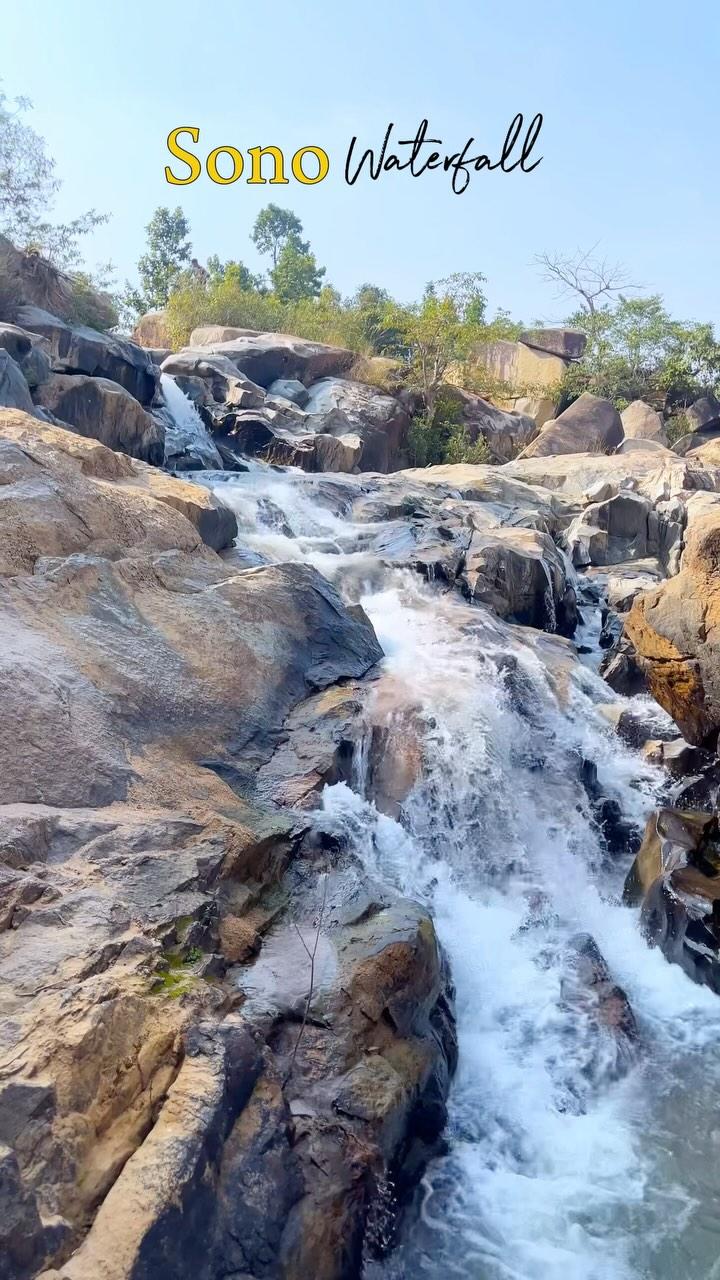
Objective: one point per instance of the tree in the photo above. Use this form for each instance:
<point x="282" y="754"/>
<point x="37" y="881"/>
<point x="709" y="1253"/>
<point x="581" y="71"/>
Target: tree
<point x="297" y="274"/>
<point x="274" y="228"/>
<point x="159" y="268"/>
<point x="28" y="187"/>
<point x="440" y="330"/>
<point x="27" y="174"/>
<point x="232" y="271"/>
<point x="583" y="275"/>
<point x="636" y="351"/>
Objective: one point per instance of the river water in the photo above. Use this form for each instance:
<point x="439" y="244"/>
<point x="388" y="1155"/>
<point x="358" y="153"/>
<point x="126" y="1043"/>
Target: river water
<point x="565" y="1159"/>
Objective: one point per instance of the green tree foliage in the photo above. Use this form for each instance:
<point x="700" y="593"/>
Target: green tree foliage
<point x="28" y="187"/>
<point x="636" y="351"/>
<point x="296" y="274"/>
<point x="440" y="330"/>
<point x="439" y="435"/>
<point x="274" y="228"/>
<point x="235" y="273"/>
<point x="159" y="268"/>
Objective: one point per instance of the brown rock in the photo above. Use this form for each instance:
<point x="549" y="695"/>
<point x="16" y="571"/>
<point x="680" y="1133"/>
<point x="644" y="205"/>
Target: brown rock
<point x="104" y="411"/>
<point x="590" y="425"/>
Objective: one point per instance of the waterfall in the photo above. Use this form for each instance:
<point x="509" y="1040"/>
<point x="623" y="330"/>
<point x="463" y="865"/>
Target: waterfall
<point x="186" y="436"/>
<point x="564" y="1162"/>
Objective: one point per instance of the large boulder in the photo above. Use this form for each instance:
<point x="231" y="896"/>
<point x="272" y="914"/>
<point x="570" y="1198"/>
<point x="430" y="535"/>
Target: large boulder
<point x="623" y="528"/>
<point x="567" y="343"/>
<point x="77" y="349"/>
<point x="674" y="629"/>
<point x="264" y="357"/>
<point x="337" y="406"/>
<point x="29" y="352"/>
<point x="180" y="1094"/>
<point x="675" y="880"/>
<point x="521" y="576"/>
<point x="14" y="390"/>
<point x="62" y="494"/>
<point x="589" y="425"/>
<point x="641" y="422"/>
<point x="517" y="366"/>
<point x="591" y="477"/>
<point x="704" y="414"/>
<point x="221" y="377"/>
<point x="151" y="330"/>
<point x="104" y="410"/>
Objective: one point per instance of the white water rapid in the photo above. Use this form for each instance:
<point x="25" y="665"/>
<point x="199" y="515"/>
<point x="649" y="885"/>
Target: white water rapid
<point x="185" y="431"/>
<point x="558" y="1167"/>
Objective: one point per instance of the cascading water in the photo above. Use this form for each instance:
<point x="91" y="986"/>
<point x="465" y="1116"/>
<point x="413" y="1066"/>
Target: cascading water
<point x="564" y="1162"/>
<point x="185" y="432"/>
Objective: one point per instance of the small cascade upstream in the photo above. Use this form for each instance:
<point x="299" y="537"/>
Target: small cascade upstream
<point x="185" y="432"/>
<point x="571" y="1154"/>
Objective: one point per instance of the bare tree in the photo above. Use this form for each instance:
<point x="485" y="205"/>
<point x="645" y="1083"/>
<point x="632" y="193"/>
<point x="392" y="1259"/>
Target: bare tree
<point x="311" y="953"/>
<point x="584" y="275"/>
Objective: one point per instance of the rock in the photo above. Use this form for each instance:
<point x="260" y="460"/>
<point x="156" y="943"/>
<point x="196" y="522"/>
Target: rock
<point x="14" y="390"/>
<point x="505" y="433"/>
<point x="521" y="575"/>
<point x="589" y="477"/>
<point x="622" y="587"/>
<point x="567" y="343"/>
<point x="61" y="494"/>
<point x="338" y="453"/>
<point x="151" y="331"/>
<point x="105" y="411"/>
<point x="641" y="422"/>
<point x="517" y="366"/>
<point x="265" y="357"/>
<point x="22" y="1247"/>
<point x="78" y="349"/>
<point x="621" y="529"/>
<point x="261" y="433"/>
<point x="15" y="341"/>
<point x="27" y="279"/>
<point x="631" y="445"/>
<point x="590" y="425"/>
<point x="694" y="444"/>
<point x="704" y="414"/>
<point x="168" y="1107"/>
<point x="676" y="879"/>
<point x="634" y="727"/>
<point x="680" y="758"/>
<point x="540" y="408"/>
<point x="336" y="406"/>
<point x="706" y="452"/>
<point x="225" y="385"/>
<point x="673" y="630"/>
<point x="605" y="1010"/>
<point x="623" y="670"/>
<point x="506" y="499"/>
<point x="289" y="389"/>
<point x="34" y="363"/>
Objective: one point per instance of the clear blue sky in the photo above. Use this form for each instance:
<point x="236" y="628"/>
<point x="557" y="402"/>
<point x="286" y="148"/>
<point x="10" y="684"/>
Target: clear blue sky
<point x="630" y="141"/>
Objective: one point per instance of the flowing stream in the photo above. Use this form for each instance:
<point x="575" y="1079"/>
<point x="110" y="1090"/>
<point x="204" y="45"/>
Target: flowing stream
<point x="563" y="1162"/>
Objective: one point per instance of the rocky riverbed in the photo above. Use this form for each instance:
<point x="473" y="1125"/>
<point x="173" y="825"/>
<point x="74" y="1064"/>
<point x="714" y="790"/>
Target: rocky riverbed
<point x="322" y="782"/>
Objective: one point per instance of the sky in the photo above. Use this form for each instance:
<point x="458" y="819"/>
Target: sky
<point x="629" y="142"/>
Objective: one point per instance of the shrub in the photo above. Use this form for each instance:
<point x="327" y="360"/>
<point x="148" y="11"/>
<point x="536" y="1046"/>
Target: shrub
<point x="89" y="305"/>
<point x="676" y="427"/>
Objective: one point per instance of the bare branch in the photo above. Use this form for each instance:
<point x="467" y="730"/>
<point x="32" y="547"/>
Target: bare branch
<point x="585" y="276"/>
<point x="311" y="954"/>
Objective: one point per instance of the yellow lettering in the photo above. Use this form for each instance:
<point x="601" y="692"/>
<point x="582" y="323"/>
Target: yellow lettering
<point x="187" y="157"/>
<point x="212" y="167"/>
<point x="323" y="165"/>
<point x="257" y="154"/>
